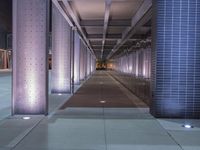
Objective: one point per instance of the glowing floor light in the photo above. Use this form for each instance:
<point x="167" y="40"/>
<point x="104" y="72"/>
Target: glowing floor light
<point x="103" y="102"/>
<point x="59" y="94"/>
<point x="188" y="126"/>
<point x="26" y="117"/>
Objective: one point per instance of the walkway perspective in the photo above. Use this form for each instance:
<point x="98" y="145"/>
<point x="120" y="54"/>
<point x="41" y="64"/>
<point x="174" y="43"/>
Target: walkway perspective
<point x="102" y="115"/>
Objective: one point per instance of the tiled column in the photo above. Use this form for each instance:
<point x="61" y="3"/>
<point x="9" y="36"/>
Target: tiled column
<point x="76" y="58"/>
<point x="61" y="53"/>
<point x="30" y="80"/>
<point x="176" y="59"/>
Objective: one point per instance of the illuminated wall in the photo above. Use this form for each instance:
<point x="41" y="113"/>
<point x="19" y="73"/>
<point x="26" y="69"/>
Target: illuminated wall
<point x="30" y="78"/>
<point x="133" y="70"/>
<point x="76" y="59"/>
<point x="137" y="63"/>
<point x="176" y="69"/>
<point x="61" y="53"/>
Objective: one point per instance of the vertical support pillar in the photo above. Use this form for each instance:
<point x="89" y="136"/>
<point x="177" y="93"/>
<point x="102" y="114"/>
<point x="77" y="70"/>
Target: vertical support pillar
<point x="176" y="59"/>
<point x="88" y="62"/>
<point x="81" y="61"/>
<point x="72" y="59"/>
<point x="30" y="76"/>
<point x="92" y="64"/>
<point x="76" y="58"/>
<point x="61" y="53"/>
<point x="85" y="62"/>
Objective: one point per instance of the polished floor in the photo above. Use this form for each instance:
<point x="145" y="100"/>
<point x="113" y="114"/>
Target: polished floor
<point x="102" y="115"/>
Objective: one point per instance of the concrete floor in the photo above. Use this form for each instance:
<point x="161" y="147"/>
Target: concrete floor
<point x="94" y="126"/>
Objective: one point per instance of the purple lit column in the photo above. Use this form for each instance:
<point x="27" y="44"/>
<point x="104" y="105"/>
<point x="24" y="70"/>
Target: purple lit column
<point x="85" y="62"/>
<point x="88" y="62"/>
<point x="81" y="61"/>
<point x="30" y="28"/>
<point x="76" y="59"/>
<point x="61" y="53"/>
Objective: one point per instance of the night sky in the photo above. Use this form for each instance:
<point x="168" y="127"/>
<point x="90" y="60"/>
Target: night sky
<point x="6" y="15"/>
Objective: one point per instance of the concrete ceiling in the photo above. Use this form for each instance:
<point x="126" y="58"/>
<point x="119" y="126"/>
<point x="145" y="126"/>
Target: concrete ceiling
<point x="107" y="25"/>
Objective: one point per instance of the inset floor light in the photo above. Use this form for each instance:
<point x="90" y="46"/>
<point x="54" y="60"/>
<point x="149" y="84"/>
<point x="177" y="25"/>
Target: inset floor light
<point x="103" y="102"/>
<point x="26" y="117"/>
<point x="188" y="126"/>
<point x="60" y="94"/>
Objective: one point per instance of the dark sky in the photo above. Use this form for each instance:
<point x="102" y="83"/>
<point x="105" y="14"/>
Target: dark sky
<point x="6" y="15"/>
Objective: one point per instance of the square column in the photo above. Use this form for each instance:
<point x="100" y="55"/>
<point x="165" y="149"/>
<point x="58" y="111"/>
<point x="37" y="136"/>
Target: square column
<point x="88" y="62"/>
<point x="30" y="76"/>
<point x="61" y="53"/>
<point x="81" y="61"/>
<point x="176" y="59"/>
<point x="85" y="62"/>
<point x="76" y="58"/>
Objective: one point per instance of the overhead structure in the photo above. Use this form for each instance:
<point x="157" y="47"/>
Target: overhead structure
<point x="139" y="19"/>
<point x="107" y="27"/>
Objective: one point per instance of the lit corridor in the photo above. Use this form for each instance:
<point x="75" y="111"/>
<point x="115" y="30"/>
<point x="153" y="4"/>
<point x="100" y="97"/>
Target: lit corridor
<point x="99" y="74"/>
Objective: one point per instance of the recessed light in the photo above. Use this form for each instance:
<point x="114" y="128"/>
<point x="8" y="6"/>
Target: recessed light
<point x="188" y="126"/>
<point x="26" y="117"/>
<point x="59" y="94"/>
<point x="102" y="102"/>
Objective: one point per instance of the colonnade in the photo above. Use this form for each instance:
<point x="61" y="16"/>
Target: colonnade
<point x="72" y="61"/>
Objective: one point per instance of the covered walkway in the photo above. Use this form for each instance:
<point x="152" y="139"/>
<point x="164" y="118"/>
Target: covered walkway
<point x="99" y="75"/>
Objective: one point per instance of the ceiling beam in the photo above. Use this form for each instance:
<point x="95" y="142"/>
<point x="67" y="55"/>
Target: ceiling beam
<point x="76" y="21"/>
<point x="100" y="23"/>
<point x="100" y="36"/>
<point x="143" y="14"/>
<point x="62" y="11"/>
<point x="105" y="26"/>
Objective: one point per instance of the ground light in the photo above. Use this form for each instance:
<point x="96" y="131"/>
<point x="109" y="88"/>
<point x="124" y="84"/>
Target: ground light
<point x="59" y="94"/>
<point x="188" y="126"/>
<point x="102" y="102"/>
<point x="26" y="117"/>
